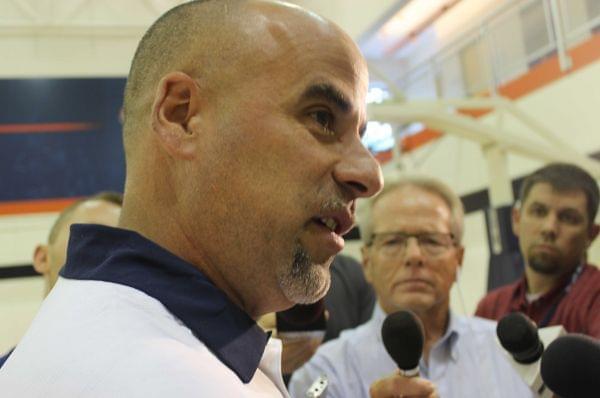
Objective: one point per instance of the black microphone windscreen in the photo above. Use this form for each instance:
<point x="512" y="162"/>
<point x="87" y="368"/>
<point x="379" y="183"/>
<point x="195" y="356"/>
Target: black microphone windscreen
<point x="402" y="334"/>
<point x="570" y="366"/>
<point x="519" y="336"/>
<point x="303" y="314"/>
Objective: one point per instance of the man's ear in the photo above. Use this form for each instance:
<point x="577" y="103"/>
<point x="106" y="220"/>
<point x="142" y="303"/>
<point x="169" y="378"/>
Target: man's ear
<point x="41" y="262"/>
<point x="594" y="229"/>
<point x="515" y="218"/>
<point x="460" y="255"/>
<point x="175" y="114"/>
<point x="366" y="263"/>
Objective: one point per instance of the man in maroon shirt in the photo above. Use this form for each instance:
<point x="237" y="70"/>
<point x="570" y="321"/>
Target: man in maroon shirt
<point x="554" y="221"/>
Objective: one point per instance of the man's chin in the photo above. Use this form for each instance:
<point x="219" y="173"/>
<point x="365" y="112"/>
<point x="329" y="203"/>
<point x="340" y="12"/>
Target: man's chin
<point x="307" y="287"/>
<point x="321" y="289"/>
<point x="416" y="302"/>
<point x="544" y="264"/>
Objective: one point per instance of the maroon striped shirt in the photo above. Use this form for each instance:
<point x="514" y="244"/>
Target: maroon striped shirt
<point x="578" y="311"/>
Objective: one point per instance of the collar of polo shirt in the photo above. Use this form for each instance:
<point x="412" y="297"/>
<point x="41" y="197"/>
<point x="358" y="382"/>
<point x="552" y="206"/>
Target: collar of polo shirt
<point x="125" y="257"/>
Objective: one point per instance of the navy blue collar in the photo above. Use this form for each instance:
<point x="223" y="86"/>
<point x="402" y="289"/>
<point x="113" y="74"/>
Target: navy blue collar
<point x="121" y="256"/>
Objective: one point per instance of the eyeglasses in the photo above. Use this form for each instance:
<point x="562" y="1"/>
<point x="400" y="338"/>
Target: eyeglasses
<point x="392" y="244"/>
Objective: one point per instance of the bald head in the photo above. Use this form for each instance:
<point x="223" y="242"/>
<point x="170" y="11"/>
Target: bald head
<point x="219" y="43"/>
<point x="103" y="208"/>
<point x="243" y="122"/>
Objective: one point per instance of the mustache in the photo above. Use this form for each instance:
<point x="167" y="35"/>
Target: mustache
<point x="335" y="204"/>
<point x="545" y="242"/>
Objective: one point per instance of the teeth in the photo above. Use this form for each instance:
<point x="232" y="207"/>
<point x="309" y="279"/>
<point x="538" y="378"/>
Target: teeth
<point x="329" y="223"/>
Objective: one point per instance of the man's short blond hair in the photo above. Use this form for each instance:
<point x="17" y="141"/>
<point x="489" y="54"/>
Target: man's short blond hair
<point x="430" y="184"/>
<point x="65" y="215"/>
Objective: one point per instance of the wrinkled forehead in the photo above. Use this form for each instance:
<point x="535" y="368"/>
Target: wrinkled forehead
<point x="546" y="193"/>
<point x="413" y="207"/>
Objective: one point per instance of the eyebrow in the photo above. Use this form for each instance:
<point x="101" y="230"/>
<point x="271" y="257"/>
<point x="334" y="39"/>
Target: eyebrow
<point x="562" y="209"/>
<point x="330" y="93"/>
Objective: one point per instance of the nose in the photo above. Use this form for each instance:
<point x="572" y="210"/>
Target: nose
<point x="358" y="172"/>
<point x="550" y="226"/>
<point x="413" y="256"/>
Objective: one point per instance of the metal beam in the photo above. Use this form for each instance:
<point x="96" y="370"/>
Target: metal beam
<point x="439" y="115"/>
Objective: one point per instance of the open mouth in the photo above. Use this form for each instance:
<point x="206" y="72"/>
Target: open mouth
<point x="339" y="222"/>
<point x="328" y="222"/>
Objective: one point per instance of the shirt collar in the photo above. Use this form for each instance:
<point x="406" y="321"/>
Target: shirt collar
<point x="456" y="326"/>
<point x="125" y="257"/>
<point x="377" y="320"/>
<point x="521" y="291"/>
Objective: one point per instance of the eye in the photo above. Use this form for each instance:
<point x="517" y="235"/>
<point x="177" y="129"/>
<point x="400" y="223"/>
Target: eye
<point x="570" y="218"/>
<point x="325" y="119"/>
<point x="394" y="241"/>
<point x="430" y="241"/>
<point x="538" y="211"/>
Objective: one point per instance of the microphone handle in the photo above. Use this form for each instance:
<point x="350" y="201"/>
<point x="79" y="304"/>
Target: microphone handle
<point x="410" y="372"/>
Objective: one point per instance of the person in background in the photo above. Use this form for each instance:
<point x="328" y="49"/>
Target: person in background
<point x="554" y="221"/>
<point x="350" y="299"/>
<point x="102" y="208"/>
<point x="412" y="253"/>
<point x="348" y="303"/>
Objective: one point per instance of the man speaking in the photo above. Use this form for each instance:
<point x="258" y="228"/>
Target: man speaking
<point x="242" y="128"/>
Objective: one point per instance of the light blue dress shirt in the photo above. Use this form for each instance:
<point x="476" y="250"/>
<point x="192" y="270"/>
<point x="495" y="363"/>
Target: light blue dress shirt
<point x="466" y="362"/>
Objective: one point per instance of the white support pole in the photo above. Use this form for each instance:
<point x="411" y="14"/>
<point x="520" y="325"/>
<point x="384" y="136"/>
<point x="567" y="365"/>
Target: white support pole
<point x="564" y="60"/>
<point x="497" y="166"/>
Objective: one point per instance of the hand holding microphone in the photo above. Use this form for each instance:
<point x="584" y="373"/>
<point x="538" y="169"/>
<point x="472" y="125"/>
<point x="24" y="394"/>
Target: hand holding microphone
<point x="520" y="337"/>
<point x="398" y="386"/>
<point x="550" y="361"/>
<point x="402" y="334"/>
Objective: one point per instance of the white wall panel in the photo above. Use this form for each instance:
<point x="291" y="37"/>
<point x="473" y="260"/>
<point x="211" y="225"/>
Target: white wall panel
<point x="19" y="234"/>
<point x="20" y="299"/>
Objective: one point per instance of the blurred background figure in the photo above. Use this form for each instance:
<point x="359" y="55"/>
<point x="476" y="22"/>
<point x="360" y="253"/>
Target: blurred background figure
<point x="554" y="221"/>
<point x="412" y="253"/>
<point x="348" y="303"/>
<point x="102" y="208"/>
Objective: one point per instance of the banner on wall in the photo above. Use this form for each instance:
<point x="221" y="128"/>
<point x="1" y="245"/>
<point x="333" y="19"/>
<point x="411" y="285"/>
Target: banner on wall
<point x="60" y="139"/>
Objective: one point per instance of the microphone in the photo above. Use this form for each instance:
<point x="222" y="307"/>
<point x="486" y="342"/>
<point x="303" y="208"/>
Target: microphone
<point x="520" y="337"/>
<point x="571" y="366"/>
<point x="402" y="334"/>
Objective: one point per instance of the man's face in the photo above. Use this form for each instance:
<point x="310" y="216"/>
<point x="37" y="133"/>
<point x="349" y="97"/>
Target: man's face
<point x="553" y="229"/>
<point x="88" y="212"/>
<point x="287" y="164"/>
<point x="414" y="276"/>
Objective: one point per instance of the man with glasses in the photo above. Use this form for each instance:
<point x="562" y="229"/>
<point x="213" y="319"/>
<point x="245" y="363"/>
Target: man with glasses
<point x="412" y="253"/>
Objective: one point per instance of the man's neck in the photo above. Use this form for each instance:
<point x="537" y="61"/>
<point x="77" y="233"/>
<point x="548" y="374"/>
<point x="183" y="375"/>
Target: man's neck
<point x="539" y="284"/>
<point x="435" y="324"/>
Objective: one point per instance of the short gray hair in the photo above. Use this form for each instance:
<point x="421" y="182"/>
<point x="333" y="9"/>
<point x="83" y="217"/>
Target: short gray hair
<point x="115" y="198"/>
<point x="430" y="184"/>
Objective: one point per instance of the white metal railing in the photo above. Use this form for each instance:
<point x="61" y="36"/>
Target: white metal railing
<point x="505" y="45"/>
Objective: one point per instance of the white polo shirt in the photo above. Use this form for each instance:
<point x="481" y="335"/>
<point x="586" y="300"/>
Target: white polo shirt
<point x="129" y="319"/>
